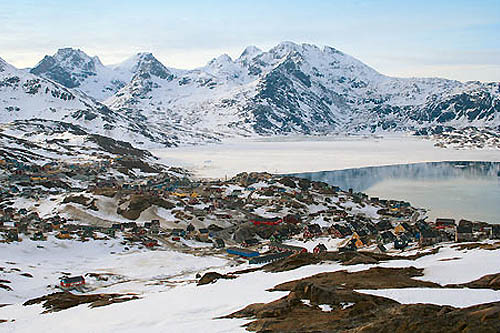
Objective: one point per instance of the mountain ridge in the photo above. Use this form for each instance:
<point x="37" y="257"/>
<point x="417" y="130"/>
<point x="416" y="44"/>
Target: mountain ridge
<point x="289" y="89"/>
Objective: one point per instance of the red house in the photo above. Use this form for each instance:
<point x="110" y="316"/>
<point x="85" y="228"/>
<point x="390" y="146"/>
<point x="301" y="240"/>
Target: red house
<point x="72" y="282"/>
<point x="269" y="221"/>
<point x="320" y="248"/>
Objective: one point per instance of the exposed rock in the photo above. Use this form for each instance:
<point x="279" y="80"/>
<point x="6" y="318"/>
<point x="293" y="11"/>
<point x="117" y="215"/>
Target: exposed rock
<point x="140" y="202"/>
<point x="491" y="281"/>
<point x="346" y="258"/>
<point x="373" y="278"/>
<point x="212" y="277"/>
<point x="350" y="311"/>
<point x="64" y="300"/>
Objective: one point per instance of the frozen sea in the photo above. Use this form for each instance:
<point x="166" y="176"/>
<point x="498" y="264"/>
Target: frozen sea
<point x="469" y="197"/>
<point x="306" y="154"/>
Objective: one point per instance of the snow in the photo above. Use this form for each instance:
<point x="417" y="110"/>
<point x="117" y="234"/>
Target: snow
<point x="325" y="307"/>
<point x="181" y="306"/>
<point x="307" y="154"/>
<point x="332" y="244"/>
<point x="472" y="265"/>
<point x="441" y="296"/>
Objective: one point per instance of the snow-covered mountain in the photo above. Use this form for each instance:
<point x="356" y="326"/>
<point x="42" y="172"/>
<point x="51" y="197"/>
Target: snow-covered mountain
<point x="304" y="89"/>
<point x="75" y="69"/>
<point x="292" y="88"/>
<point x="25" y="96"/>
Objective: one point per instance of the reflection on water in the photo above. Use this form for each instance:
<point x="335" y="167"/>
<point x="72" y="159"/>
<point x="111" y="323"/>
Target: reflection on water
<point x="468" y="190"/>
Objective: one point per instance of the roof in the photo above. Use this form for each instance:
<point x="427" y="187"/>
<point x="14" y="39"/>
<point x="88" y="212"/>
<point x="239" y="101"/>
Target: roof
<point x="73" y="279"/>
<point x="428" y="234"/>
<point x="464" y="229"/>
<point x="321" y="246"/>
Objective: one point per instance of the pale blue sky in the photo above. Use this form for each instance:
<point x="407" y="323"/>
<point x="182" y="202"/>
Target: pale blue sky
<point x="454" y="39"/>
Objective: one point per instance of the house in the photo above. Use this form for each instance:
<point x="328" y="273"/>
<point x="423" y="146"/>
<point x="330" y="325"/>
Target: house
<point x="314" y="229"/>
<point x="343" y="230"/>
<point x="178" y="232"/>
<point x="372" y="230"/>
<point x="270" y="257"/>
<point x="334" y="232"/>
<point x="242" y="252"/>
<point x="387" y="237"/>
<point x="72" y="282"/>
<point x="64" y="234"/>
<point x="464" y="233"/>
<point x="400" y="228"/>
<point x="12" y="236"/>
<point x="279" y="247"/>
<point x="150" y="243"/>
<point x="350" y="246"/>
<point x="250" y="242"/>
<point x="381" y="248"/>
<point x="429" y="237"/>
<point x="445" y="222"/>
<point x="293" y="219"/>
<point x="190" y="228"/>
<point x="495" y="231"/>
<point x="219" y="243"/>
<point x="266" y="221"/>
<point x="203" y="235"/>
<point x="400" y="243"/>
<point x="118" y="226"/>
<point x="320" y="248"/>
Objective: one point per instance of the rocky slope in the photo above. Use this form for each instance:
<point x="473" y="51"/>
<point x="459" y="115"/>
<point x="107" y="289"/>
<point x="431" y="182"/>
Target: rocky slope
<point x="328" y="302"/>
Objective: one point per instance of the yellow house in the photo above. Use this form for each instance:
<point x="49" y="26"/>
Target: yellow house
<point x="63" y="235"/>
<point x="359" y="243"/>
<point x="399" y="229"/>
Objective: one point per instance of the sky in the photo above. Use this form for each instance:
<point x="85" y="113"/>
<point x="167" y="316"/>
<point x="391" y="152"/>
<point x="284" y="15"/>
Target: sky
<point x="453" y="39"/>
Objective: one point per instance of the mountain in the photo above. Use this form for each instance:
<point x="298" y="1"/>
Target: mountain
<point x="303" y="89"/>
<point x="73" y="68"/>
<point x="289" y="89"/>
<point x="24" y="96"/>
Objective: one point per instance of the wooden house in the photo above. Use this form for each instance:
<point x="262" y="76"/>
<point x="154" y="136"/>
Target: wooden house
<point x="445" y="222"/>
<point x="495" y="231"/>
<point x="72" y="282"/>
<point x="464" y="233"/>
<point x="429" y="237"/>
<point x="219" y="243"/>
<point x="320" y="248"/>
<point x="242" y="252"/>
<point x="279" y="247"/>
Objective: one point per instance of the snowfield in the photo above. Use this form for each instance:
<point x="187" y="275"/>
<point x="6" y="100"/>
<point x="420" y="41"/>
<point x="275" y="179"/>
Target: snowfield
<point x="307" y="154"/>
<point x="171" y="301"/>
<point x="460" y="298"/>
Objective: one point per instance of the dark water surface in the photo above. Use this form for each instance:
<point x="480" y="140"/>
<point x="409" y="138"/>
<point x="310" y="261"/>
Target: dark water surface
<point x="469" y="190"/>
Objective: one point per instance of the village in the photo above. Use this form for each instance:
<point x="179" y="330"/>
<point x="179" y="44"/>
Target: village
<point x="253" y="216"/>
<point x="465" y="138"/>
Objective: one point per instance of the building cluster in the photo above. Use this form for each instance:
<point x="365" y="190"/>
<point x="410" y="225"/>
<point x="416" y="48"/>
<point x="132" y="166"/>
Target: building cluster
<point x="244" y="213"/>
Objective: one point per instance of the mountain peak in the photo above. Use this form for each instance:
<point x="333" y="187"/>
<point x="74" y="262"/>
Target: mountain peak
<point x="249" y="53"/>
<point x="3" y="64"/>
<point x="68" y="66"/>
<point x="285" y="47"/>
<point x="76" y="58"/>
<point x="220" y="61"/>
<point x="145" y="63"/>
